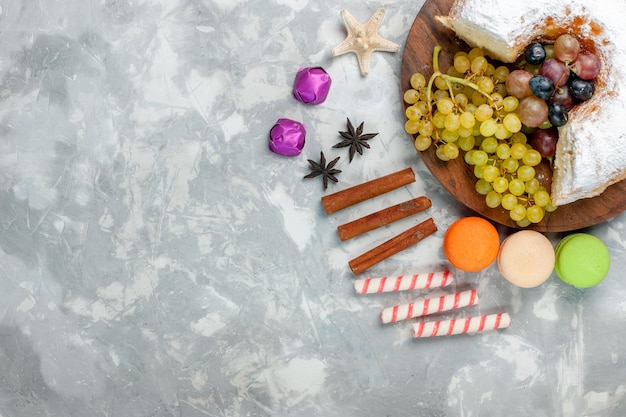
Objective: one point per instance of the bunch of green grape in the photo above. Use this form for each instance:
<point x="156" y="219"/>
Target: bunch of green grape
<point x="505" y="175"/>
<point x="468" y="110"/>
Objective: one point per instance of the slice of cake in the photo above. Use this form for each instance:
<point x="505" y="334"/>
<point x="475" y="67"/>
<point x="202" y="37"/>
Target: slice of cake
<point x="591" y="152"/>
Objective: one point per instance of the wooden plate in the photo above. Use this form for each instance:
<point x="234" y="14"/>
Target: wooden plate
<point x="458" y="177"/>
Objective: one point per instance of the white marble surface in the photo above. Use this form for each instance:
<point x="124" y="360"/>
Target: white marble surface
<point x="157" y="260"/>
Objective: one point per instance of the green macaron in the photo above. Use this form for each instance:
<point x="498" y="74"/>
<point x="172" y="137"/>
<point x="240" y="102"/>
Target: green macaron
<point x="582" y="260"/>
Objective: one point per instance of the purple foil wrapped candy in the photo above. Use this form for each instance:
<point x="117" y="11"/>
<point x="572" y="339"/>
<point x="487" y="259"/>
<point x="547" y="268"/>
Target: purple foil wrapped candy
<point x="287" y="137"/>
<point x="311" y="85"/>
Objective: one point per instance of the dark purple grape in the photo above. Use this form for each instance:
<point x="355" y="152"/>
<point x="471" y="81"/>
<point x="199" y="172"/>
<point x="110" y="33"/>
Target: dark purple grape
<point x="557" y="114"/>
<point x="541" y="86"/>
<point x="564" y="96"/>
<point x="535" y="54"/>
<point x="544" y="141"/>
<point x="581" y="89"/>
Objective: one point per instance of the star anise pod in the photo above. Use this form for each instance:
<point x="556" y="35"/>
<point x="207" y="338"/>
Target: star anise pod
<point x="327" y="172"/>
<point x="355" y="139"/>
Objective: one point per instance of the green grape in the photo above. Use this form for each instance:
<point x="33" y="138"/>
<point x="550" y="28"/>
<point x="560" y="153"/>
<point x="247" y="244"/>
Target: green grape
<point x="541" y="198"/>
<point x="467" y="119"/>
<point x="503" y="151"/>
<point x="458" y="88"/>
<point x="523" y="223"/>
<point x="422" y="106"/>
<point x="463" y="131"/>
<point x="461" y="99"/>
<point x="478" y="170"/>
<point x="451" y="150"/>
<point x="535" y="214"/>
<point x="517" y="212"/>
<point x="519" y="137"/>
<point x="508" y="201"/>
<point x="453" y="72"/>
<point x="510" y="103"/>
<point x="550" y="207"/>
<point x="441" y="84"/>
<point x="532" y="186"/>
<point x="518" y="150"/>
<point x="411" y="127"/>
<point x="500" y="184"/>
<point x="476" y="129"/>
<point x="411" y="96"/>
<point x="440" y="95"/>
<point x="462" y="64"/>
<point x="480" y="157"/>
<point x="469" y="157"/>
<point x="466" y="143"/>
<point x="478" y="98"/>
<point x="413" y="113"/>
<point x="422" y="142"/>
<point x="452" y="122"/>
<point x="493" y="199"/>
<point x="483" y="112"/>
<point x="497" y="99"/>
<point x="516" y="187"/>
<point x="545" y="125"/>
<point x="501" y="89"/>
<point x="501" y="73"/>
<point x="471" y="107"/>
<point x="474" y="52"/>
<point x="449" y="135"/>
<point x="510" y="165"/>
<point x="485" y="84"/>
<point x="479" y="65"/>
<point x="490" y="173"/>
<point x="418" y="81"/>
<point x="489" y="145"/>
<point x="512" y="122"/>
<point x="439" y="120"/>
<point x="532" y="157"/>
<point x="488" y="127"/>
<point x="525" y="173"/>
<point x="533" y="69"/>
<point x="445" y="106"/>
<point x="483" y="187"/>
<point x="441" y="154"/>
<point x="502" y="132"/>
<point x="426" y="127"/>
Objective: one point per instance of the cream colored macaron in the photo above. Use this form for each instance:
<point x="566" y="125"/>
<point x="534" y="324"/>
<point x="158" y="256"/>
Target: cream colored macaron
<point x="526" y="258"/>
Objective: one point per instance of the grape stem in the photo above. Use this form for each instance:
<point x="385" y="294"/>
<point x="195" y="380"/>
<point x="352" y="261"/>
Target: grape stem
<point x="451" y="79"/>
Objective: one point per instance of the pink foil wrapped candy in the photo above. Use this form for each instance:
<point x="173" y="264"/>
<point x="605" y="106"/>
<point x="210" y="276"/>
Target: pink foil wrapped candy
<point x="311" y="85"/>
<point x="287" y="137"/>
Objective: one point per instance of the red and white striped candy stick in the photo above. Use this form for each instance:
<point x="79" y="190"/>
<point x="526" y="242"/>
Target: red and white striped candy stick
<point x="403" y="283"/>
<point x="465" y="325"/>
<point x="429" y="306"/>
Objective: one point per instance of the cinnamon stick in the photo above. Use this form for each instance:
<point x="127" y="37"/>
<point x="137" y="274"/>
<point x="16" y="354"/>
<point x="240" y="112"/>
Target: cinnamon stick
<point x="394" y="245"/>
<point x="382" y="218"/>
<point x="359" y="193"/>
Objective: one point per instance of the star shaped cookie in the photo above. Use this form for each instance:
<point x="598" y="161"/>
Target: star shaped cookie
<point x="363" y="39"/>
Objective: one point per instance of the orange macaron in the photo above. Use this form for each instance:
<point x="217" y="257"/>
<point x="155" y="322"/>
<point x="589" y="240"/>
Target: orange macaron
<point x="471" y="244"/>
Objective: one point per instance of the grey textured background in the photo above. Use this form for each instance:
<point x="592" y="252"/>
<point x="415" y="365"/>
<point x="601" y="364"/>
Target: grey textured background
<point x="157" y="260"/>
